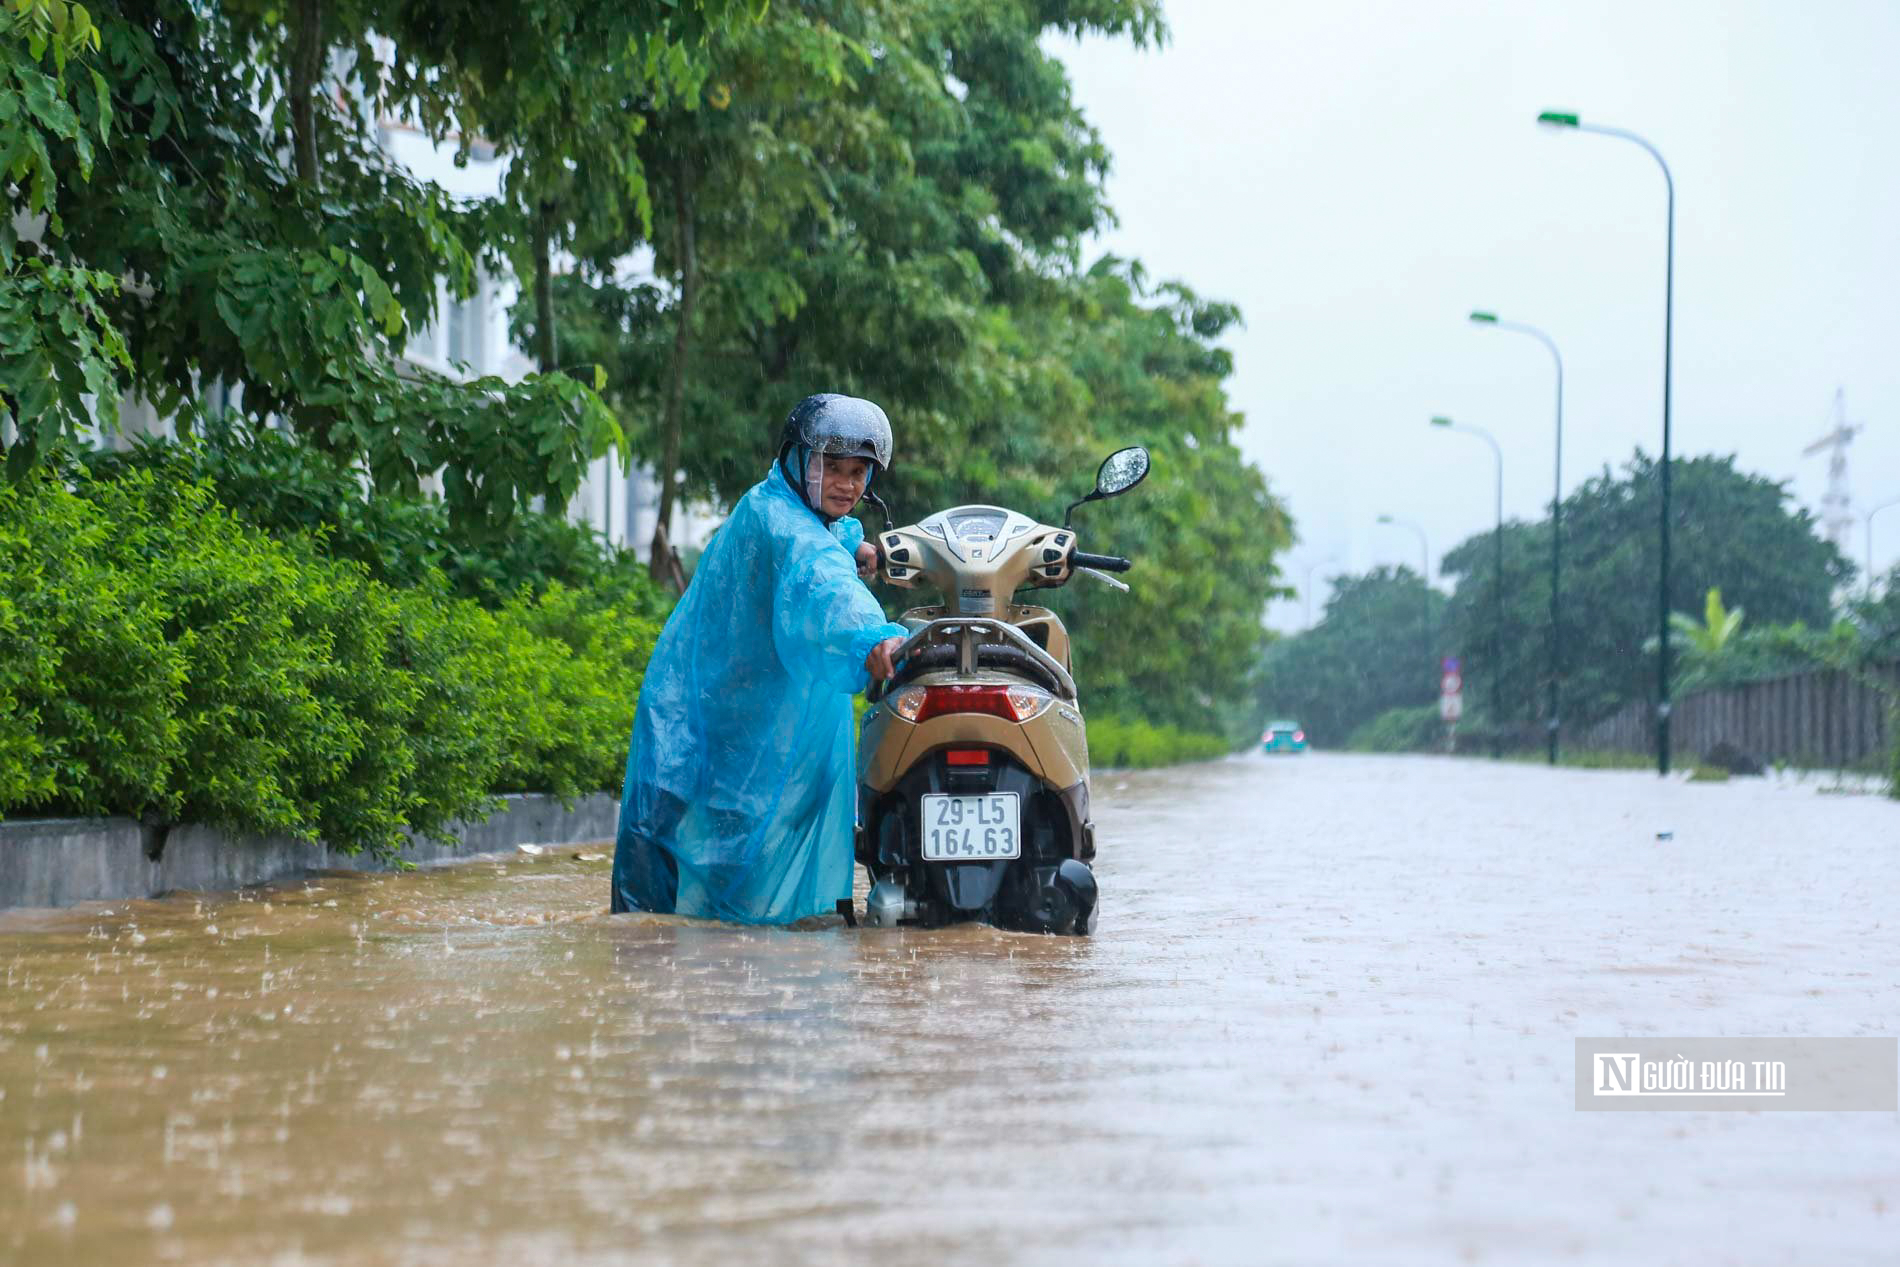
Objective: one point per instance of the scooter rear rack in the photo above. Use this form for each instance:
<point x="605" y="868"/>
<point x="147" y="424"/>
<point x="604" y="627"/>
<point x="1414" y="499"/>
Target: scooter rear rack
<point x="969" y="632"/>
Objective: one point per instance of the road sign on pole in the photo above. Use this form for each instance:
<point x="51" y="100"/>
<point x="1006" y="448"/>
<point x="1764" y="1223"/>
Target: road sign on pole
<point x="1451" y="685"/>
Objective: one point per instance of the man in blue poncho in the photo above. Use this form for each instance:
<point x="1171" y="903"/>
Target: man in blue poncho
<point x="740" y="794"/>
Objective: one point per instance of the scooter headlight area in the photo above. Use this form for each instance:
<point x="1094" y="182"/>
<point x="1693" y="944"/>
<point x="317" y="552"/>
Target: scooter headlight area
<point x="1011" y="703"/>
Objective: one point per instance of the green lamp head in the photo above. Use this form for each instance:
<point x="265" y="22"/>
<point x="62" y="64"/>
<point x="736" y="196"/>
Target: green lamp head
<point x="1480" y="317"/>
<point x="1557" y="119"/>
<point x="1440" y="420"/>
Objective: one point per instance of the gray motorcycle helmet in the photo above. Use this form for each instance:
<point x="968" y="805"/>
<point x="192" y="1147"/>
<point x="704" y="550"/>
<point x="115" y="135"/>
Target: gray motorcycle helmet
<point x="841" y="426"/>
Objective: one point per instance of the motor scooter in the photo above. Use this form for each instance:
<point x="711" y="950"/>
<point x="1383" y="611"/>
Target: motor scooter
<point x="973" y="762"/>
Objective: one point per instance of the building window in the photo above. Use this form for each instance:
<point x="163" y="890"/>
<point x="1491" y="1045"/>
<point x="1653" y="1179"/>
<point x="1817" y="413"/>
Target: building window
<point x="465" y="331"/>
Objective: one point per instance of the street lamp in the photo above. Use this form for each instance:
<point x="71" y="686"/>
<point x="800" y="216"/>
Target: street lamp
<point x="1557" y="119"/>
<point x="1307" y="589"/>
<point x="1425" y="574"/>
<point x="1870" y="542"/>
<point x="1497" y="595"/>
<point x="1554" y="718"/>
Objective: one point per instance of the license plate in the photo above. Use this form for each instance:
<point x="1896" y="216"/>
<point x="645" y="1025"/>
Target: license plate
<point x="972" y="828"/>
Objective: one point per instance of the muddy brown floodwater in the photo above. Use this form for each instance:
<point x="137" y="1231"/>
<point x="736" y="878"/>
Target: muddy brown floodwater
<point x="1328" y="1017"/>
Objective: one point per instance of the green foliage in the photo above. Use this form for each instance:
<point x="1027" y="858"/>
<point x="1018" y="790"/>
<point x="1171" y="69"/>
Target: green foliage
<point x="1718" y="625"/>
<point x="281" y="253"/>
<point x="573" y="669"/>
<point x="274" y="483"/>
<point x="1375" y="650"/>
<point x="1608" y="759"/>
<point x="905" y="224"/>
<point x="1737" y="533"/>
<point x="1414" y="729"/>
<point x="1766" y="651"/>
<point x="1893" y="772"/>
<point x="1123" y="743"/>
<point x="57" y="348"/>
<point x="178" y="665"/>
<point x="57" y="343"/>
<point x="90" y="685"/>
<point x="1878" y="620"/>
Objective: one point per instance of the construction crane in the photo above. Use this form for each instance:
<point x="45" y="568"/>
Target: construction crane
<point x="1837" y="509"/>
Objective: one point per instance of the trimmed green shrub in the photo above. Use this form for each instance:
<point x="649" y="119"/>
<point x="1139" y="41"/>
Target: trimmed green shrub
<point x="89" y="684"/>
<point x="578" y="657"/>
<point x="1121" y="743"/>
<point x="166" y="661"/>
<point x="1893" y="774"/>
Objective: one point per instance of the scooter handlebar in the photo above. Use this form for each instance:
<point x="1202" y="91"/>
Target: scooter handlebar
<point x="1101" y="562"/>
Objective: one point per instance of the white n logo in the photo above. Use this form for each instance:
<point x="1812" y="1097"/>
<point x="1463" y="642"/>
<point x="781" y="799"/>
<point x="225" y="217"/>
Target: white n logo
<point x="1616" y="1073"/>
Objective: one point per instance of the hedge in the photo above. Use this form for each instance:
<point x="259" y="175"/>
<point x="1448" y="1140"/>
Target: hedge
<point x="1893" y="743"/>
<point x="1125" y="743"/>
<point x="169" y="662"/>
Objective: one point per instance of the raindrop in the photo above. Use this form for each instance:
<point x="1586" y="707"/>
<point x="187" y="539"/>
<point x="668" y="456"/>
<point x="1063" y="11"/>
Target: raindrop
<point x="160" y="1218"/>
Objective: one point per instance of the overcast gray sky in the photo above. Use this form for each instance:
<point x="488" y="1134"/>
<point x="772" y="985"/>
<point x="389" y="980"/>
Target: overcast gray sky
<point x="1359" y="174"/>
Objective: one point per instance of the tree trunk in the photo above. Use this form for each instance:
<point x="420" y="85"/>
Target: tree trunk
<point x="685" y="248"/>
<point x="545" y="344"/>
<point x="306" y="67"/>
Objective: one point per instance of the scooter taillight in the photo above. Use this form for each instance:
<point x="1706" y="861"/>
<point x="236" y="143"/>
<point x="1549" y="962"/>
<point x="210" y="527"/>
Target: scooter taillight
<point x="1011" y="703"/>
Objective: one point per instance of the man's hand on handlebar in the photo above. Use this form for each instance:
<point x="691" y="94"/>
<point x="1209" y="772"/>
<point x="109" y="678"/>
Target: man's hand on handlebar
<point x="880" y="664"/>
<point x="867" y="560"/>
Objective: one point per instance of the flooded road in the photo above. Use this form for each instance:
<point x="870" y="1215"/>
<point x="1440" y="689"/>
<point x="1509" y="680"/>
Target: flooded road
<point x="1328" y="1017"/>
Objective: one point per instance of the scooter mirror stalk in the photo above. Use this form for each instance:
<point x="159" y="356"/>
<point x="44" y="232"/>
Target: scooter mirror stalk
<point x="1119" y="472"/>
<point x="878" y="504"/>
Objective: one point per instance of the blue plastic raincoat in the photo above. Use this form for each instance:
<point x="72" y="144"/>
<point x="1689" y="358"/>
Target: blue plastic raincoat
<point x="740" y="795"/>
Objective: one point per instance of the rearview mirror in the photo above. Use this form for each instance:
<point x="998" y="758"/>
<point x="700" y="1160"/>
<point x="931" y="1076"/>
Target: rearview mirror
<point x="1121" y="471"/>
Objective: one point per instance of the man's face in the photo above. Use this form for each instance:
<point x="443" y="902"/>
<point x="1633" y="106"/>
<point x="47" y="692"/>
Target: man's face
<point x="844" y="484"/>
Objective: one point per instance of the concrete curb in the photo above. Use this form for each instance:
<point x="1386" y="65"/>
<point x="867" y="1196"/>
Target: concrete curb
<point x="62" y="861"/>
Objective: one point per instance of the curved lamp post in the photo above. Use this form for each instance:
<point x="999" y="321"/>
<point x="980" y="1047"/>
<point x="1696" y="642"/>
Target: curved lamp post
<point x="1870" y="542"/>
<point x="1425" y="574"/>
<point x="1570" y="122"/>
<point x="1553" y="711"/>
<point x="1497" y="588"/>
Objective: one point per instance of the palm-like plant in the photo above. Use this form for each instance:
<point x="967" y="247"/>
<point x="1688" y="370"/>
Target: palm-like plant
<point x="1718" y="625"/>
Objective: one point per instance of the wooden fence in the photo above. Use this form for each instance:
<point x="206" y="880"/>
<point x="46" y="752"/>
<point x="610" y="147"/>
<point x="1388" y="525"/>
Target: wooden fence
<point x="1823" y="719"/>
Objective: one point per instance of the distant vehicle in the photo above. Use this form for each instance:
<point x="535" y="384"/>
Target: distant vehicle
<point x="1282" y="736"/>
